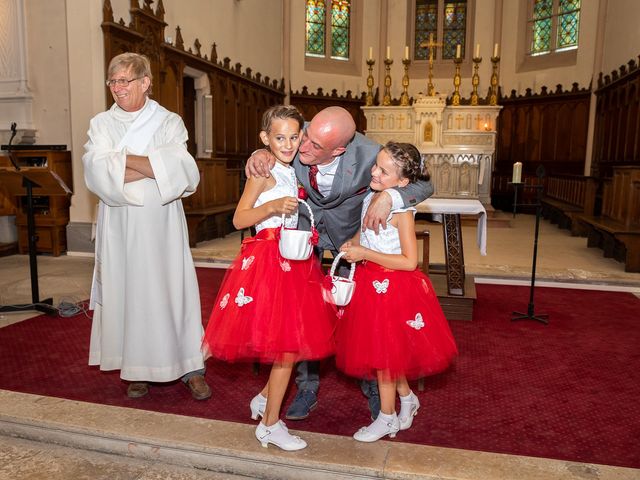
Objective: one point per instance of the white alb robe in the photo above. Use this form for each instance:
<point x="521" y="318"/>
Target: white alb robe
<point x="147" y="321"/>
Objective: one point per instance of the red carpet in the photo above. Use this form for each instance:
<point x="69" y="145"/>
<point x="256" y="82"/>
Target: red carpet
<point x="568" y="390"/>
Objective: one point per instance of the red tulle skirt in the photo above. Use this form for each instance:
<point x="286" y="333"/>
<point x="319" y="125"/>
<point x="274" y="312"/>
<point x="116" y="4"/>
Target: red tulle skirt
<point x="395" y="324"/>
<point x="269" y="308"/>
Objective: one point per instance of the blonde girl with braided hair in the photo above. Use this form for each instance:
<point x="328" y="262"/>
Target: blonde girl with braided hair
<point x="393" y="329"/>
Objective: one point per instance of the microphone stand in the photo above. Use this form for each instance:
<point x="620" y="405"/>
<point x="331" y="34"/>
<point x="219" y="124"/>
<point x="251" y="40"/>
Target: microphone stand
<point x="530" y="315"/>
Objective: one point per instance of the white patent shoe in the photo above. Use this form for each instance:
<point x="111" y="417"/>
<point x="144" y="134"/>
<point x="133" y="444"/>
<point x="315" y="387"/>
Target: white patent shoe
<point x="381" y="426"/>
<point x="278" y="435"/>
<point x="409" y="406"/>
<point x="257" y="406"/>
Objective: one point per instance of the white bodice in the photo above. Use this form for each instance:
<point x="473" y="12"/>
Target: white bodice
<point x="387" y="240"/>
<point x="286" y="186"/>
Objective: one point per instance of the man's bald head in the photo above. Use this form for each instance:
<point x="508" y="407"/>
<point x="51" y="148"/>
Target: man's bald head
<point x="327" y="136"/>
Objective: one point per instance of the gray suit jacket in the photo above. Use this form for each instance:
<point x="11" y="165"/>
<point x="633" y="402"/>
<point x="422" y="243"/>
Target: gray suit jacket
<point x="337" y="216"/>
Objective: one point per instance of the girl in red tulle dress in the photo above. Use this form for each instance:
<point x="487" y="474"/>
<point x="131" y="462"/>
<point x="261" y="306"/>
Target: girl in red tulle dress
<point x="393" y="328"/>
<point x="271" y="309"/>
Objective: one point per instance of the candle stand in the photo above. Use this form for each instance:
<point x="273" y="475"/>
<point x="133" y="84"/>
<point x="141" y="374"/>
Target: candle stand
<point x="530" y="315"/>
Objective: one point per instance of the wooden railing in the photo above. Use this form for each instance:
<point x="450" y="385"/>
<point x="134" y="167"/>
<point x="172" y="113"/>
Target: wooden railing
<point x="567" y="196"/>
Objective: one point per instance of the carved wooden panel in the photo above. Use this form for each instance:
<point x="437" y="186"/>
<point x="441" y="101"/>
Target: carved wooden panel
<point x="238" y="97"/>
<point x="547" y="129"/>
<point x="617" y="128"/>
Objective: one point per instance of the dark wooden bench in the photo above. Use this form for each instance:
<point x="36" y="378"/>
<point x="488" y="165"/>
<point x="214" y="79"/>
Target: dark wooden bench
<point x="617" y="229"/>
<point x="566" y="197"/>
<point x="211" y="222"/>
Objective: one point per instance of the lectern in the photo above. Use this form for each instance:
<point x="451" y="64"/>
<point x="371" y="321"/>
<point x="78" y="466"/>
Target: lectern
<point x="22" y="179"/>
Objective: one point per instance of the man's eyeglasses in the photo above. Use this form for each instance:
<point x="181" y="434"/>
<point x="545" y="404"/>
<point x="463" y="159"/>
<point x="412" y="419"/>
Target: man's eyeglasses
<point x="121" y="82"/>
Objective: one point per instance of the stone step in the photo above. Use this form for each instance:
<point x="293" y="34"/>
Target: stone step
<point x="226" y="447"/>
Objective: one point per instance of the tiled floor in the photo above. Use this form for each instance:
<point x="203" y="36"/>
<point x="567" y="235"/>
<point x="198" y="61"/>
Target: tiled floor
<point x="561" y="259"/>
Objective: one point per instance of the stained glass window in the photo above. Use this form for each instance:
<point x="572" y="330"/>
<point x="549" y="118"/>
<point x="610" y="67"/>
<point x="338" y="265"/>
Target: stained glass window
<point x="426" y="27"/>
<point x="340" y="29"/>
<point x="455" y="20"/>
<point x="315" y="27"/>
<point x="568" y="23"/>
<point x="554" y="26"/>
<point x="328" y="27"/>
<point x="443" y="21"/>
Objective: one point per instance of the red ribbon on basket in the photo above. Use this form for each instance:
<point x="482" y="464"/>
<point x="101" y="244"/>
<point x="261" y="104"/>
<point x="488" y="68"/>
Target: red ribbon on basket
<point x="315" y="236"/>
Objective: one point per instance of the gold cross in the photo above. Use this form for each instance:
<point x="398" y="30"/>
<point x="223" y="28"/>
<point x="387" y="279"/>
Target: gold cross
<point x="430" y="45"/>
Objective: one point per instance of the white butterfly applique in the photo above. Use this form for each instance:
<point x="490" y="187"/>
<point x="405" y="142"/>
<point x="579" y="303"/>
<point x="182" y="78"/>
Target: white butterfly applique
<point x="242" y="299"/>
<point x="416" y="323"/>
<point x="285" y="266"/>
<point x="381" y="287"/>
<point x="224" y="301"/>
<point x="246" y="262"/>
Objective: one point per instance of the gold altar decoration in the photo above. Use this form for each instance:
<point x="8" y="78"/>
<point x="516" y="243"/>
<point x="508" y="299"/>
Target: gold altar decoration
<point x="475" y="79"/>
<point x="430" y="45"/>
<point x="455" y="99"/>
<point x="369" y="98"/>
<point x="404" y="98"/>
<point x="386" y="100"/>
<point x="493" y="96"/>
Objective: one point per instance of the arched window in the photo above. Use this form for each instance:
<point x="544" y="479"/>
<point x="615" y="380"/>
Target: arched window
<point x="553" y="26"/>
<point x="445" y="23"/>
<point x="328" y="29"/>
<point x="333" y="31"/>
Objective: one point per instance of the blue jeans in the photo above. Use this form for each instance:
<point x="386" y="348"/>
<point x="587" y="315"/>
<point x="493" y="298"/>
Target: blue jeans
<point x="308" y="375"/>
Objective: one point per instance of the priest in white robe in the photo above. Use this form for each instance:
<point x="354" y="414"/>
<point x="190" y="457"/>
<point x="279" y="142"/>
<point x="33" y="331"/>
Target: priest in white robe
<point x="147" y="320"/>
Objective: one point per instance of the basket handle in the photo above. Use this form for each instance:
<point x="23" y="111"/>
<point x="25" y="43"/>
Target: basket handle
<point x="336" y="260"/>
<point x="313" y="224"/>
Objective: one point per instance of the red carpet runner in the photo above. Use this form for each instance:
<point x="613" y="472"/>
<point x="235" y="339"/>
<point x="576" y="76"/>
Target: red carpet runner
<point x="568" y="390"/>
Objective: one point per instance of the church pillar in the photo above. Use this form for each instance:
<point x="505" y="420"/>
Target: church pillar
<point x="15" y="97"/>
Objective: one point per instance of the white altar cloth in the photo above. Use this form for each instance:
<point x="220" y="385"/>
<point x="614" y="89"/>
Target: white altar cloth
<point x="459" y="206"/>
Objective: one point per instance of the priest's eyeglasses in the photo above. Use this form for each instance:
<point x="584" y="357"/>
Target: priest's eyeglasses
<point x="121" y="82"/>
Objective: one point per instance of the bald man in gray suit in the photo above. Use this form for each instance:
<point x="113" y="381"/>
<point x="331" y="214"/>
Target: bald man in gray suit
<point x="340" y="159"/>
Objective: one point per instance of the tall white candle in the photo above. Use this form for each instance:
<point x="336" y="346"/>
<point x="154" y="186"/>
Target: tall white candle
<point x="370" y="53"/>
<point x="458" y="51"/>
<point x="477" y="50"/>
<point x="388" y="51"/>
<point x="495" y="50"/>
<point x="406" y="52"/>
<point x="517" y="173"/>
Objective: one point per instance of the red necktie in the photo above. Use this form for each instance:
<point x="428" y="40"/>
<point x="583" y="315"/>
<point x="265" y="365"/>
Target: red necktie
<point x="313" y="181"/>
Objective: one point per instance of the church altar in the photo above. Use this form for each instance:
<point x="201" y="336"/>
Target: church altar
<point x="456" y="142"/>
<point x="450" y="210"/>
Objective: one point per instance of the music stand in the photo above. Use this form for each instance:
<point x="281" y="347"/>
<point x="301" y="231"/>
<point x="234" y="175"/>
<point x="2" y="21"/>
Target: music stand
<point x="17" y="180"/>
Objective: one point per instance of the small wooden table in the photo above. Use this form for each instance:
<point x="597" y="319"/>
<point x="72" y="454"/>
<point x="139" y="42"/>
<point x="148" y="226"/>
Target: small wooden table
<point x="450" y="209"/>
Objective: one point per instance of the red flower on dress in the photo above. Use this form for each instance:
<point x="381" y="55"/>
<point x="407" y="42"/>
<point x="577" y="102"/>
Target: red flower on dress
<point x="302" y="193"/>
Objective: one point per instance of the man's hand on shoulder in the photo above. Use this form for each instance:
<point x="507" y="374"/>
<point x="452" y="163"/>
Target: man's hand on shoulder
<point x="377" y="213"/>
<point x="260" y="164"/>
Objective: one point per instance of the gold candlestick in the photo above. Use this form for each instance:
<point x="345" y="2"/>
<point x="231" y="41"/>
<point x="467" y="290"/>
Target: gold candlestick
<point x="386" y="100"/>
<point x="475" y="80"/>
<point x="369" y="98"/>
<point x="404" y="98"/>
<point x="493" y="96"/>
<point x="455" y="100"/>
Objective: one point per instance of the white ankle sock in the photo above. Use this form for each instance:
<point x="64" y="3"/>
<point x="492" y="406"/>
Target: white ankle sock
<point x="387" y="417"/>
<point x="408" y="397"/>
